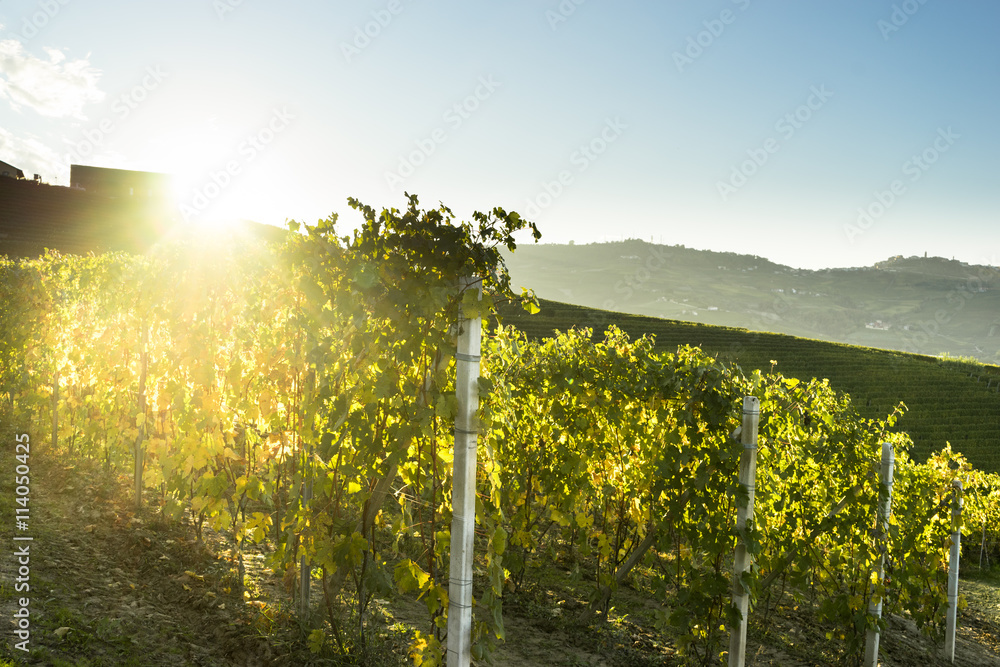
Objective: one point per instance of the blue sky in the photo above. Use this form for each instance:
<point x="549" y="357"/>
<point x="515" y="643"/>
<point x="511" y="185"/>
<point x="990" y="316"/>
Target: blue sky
<point x="816" y="134"/>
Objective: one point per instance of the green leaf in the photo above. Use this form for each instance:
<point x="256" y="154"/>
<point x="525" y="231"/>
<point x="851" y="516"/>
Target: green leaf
<point x="409" y="577"/>
<point x="499" y="540"/>
<point x="316" y="640"/>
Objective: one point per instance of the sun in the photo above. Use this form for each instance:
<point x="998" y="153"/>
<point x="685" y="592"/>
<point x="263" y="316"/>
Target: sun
<point x="221" y="173"/>
<point x="207" y="194"/>
<point x="197" y="155"/>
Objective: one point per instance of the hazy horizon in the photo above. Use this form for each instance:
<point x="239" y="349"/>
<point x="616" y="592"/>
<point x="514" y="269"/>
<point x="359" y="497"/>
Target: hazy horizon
<point x="816" y="135"/>
<point x="664" y="242"/>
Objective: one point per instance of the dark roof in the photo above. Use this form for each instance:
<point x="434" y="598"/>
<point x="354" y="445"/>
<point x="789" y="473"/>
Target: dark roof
<point x="120" y="182"/>
<point x="34" y="215"/>
<point x="9" y="170"/>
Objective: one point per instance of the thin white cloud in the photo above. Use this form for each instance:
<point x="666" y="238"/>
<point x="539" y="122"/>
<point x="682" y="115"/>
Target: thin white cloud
<point x="55" y="55"/>
<point x="33" y="157"/>
<point x="57" y="88"/>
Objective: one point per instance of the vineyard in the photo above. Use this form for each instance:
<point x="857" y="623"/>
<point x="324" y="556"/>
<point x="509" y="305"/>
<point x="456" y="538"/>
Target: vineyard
<point x="948" y="401"/>
<point x="299" y="400"/>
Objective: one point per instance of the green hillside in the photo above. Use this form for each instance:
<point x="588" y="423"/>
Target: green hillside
<point x="947" y="401"/>
<point x="923" y="305"/>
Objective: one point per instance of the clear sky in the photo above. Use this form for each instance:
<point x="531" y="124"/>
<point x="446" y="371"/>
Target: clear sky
<point x="815" y="134"/>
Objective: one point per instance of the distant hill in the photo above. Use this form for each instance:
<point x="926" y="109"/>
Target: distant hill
<point x="920" y="305"/>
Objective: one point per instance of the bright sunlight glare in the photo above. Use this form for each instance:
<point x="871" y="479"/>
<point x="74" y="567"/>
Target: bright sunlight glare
<point x="205" y="191"/>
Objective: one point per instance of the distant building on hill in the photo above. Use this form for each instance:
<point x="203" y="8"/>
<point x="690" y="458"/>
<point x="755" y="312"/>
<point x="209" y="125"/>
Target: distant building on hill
<point x="10" y="171"/>
<point x="120" y="183"/>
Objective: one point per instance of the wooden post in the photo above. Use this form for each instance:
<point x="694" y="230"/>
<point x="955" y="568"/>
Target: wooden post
<point x="305" y="570"/>
<point x="463" y="522"/>
<point x="305" y="567"/>
<point x="139" y="449"/>
<point x="956" y="551"/>
<point x="982" y="549"/>
<point x="882" y="512"/>
<point x="744" y="521"/>
<point x="55" y="410"/>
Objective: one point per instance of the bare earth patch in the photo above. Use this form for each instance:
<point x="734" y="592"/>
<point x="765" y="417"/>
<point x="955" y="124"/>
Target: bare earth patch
<point x="109" y="588"/>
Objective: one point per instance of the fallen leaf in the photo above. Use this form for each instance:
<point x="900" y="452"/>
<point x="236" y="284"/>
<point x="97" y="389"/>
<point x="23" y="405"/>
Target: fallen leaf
<point x="61" y="632"/>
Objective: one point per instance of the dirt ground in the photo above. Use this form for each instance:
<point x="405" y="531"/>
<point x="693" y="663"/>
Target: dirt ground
<point x="111" y="589"/>
<point x="108" y="588"/>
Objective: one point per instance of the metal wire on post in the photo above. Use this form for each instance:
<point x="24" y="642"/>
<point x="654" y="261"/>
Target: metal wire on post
<point x="463" y="523"/>
<point x="956" y="553"/>
<point x="881" y="533"/>
<point x="744" y="520"/>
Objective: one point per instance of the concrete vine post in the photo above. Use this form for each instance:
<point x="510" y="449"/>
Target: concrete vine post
<point x="883" y="511"/>
<point x="744" y="521"/>
<point x="463" y="523"/>
<point x="956" y="552"/>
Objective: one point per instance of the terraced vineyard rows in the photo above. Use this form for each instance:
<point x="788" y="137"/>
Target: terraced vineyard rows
<point x="946" y="401"/>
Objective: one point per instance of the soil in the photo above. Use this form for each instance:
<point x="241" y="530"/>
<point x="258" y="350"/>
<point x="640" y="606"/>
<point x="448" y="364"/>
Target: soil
<point x="108" y="588"/>
<point x="112" y="588"/>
